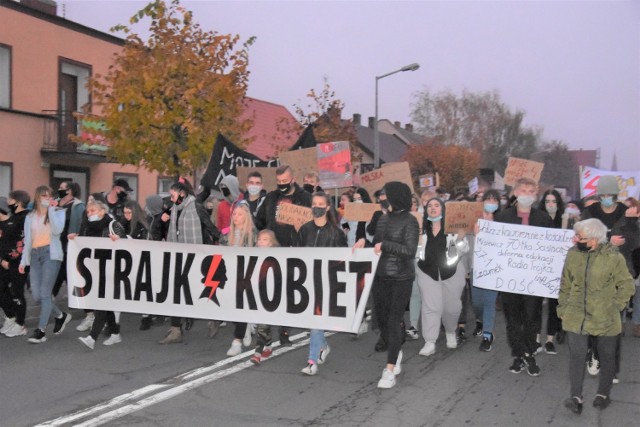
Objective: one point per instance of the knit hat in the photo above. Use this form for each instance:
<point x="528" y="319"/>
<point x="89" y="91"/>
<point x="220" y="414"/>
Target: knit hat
<point x="154" y="204"/>
<point x="398" y="195"/>
<point x="608" y="184"/>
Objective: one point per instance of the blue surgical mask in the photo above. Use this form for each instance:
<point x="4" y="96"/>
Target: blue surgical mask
<point x="93" y="218"/>
<point x="607" y="202"/>
<point x="490" y="207"/>
<point x="434" y="218"/>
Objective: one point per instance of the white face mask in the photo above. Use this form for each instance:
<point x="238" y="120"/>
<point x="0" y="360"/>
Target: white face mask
<point x="526" y="201"/>
<point x="552" y="209"/>
<point x="254" y="190"/>
<point x="572" y="211"/>
<point x="93" y="218"/>
<point x="45" y="203"/>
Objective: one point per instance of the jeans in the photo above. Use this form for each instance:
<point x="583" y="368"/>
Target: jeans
<point x="484" y="307"/>
<point x="43" y="275"/>
<point x="606" y="347"/>
<point x="414" y="305"/>
<point x="317" y="341"/>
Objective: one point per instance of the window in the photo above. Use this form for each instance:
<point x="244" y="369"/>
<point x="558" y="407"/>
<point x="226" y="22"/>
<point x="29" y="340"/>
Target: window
<point x="164" y="184"/>
<point x="6" y="178"/>
<point x="5" y="76"/>
<point x="132" y="180"/>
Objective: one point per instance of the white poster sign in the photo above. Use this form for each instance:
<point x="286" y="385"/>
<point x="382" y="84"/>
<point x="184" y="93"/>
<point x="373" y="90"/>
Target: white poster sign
<point x="629" y="182"/>
<point x="520" y="259"/>
<point x="319" y="288"/>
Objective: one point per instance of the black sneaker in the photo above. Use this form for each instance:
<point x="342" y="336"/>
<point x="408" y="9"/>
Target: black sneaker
<point x="478" y="331"/>
<point x="532" y="367"/>
<point x="517" y="366"/>
<point x="145" y="323"/>
<point x="61" y="323"/>
<point x="549" y="348"/>
<point x="485" y="345"/>
<point x="37" y="337"/>
<point x="284" y="340"/>
<point x="574" y="405"/>
<point x="412" y="333"/>
<point x="461" y="335"/>
<point x="601" y="402"/>
<point x="538" y="349"/>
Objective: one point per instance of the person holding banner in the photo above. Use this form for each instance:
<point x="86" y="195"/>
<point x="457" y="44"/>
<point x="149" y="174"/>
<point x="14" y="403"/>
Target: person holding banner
<point x="396" y="241"/>
<point x="522" y="311"/>
<point x="441" y="278"/>
<point x="100" y="224"/>
<point x="322" y="232"/>
<point x="594" y="289"/>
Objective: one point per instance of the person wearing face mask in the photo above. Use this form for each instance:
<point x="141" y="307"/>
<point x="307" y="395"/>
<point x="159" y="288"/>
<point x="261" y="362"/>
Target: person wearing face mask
<point x="523" y="311"/>
<point x="594" y="288"/>
<point x="255" y="193"/>
<point x="321" y="232"/>
<point x="311" y="183"/>
<point x="267" y="218"/>
<point x="230" y="189"/>
<point x="622" y="232"/>
<point x="68" y="199"/>
<point x="381" y="199"/>
<point x="571" y="215"/>
<point x="117" y="197"/>
<point x="43" y="254"/>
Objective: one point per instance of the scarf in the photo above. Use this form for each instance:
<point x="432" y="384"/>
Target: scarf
<point x="185" y="227"/>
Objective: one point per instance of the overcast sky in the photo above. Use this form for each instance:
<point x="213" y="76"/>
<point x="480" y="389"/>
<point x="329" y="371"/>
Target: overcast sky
<point x="572" y="66"/>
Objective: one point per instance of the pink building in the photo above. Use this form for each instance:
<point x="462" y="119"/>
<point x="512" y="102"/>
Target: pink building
<point x="45" y="61"/>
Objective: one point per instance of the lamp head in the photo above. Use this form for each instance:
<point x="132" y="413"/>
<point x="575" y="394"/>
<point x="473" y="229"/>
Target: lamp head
<point x="411" y="67"/>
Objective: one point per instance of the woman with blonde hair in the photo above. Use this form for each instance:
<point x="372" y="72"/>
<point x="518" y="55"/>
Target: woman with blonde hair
<point x="43" y="254"/>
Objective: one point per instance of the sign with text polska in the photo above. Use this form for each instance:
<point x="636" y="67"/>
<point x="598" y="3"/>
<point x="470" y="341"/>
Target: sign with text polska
<point x="520" y="259"/>
<point x="319" y="288"/>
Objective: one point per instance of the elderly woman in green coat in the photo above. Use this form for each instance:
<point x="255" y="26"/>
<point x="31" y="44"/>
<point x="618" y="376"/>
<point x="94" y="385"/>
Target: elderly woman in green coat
<point x="594" y="289"/>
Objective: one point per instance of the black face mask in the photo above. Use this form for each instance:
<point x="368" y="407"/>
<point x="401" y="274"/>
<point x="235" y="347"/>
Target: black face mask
<point x="226" y="192"/>
<point x="62" y="193"/>
<point x="13" y="208"/>
<point x="122" y="196"/>
<point x="308" y="188"/>
<point x="582" y="247"/>
<point x="318" y="212"/>
<point x="285" y="188"/>
<point x="384" y="204"/>
<point x="180" y="200"/>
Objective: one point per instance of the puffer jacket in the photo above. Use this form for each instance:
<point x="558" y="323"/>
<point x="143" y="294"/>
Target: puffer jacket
<point x="329" y="236"/>
<point x="399" y="233"/>
<point x="594" y="289"/>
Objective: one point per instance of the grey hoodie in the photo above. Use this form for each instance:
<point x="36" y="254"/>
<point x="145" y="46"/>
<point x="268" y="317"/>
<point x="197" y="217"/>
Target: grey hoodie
<point x="231" y="182"/>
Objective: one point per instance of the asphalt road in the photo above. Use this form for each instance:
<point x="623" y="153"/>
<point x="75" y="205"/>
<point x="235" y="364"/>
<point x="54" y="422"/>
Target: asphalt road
<point x="141" y="383"/>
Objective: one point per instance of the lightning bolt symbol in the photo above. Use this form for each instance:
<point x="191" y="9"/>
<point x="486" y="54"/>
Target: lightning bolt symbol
<point x="208" y="281"/>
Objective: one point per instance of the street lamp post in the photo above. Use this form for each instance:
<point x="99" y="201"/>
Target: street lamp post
<point x="376" y="136"/>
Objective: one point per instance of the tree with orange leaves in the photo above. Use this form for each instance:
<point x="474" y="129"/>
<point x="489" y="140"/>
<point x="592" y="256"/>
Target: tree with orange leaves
<point x="164" y="100"/>
<point x="455" y="165"/>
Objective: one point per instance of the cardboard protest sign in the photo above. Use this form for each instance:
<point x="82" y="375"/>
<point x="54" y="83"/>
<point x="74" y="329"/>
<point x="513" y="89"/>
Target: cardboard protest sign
<point x="360" y="211"/>
<point x="428" y="180"/>
<point x="520" y="259"/>
<point x="462" y="216"/>
<point x="295" y="215"/>
<point x="301" y="161"/>
<point x="375" y="180"/>
<point x="334" y="164"/>
<point x="522" y="168"/>
<point x="268" y="176"/>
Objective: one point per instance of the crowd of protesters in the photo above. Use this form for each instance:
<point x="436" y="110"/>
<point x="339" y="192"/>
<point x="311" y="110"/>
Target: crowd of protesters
<point x="421" y="268"/>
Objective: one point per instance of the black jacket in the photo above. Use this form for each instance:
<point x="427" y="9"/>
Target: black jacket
<point x="399" y="233"/>
<point x="12" y="238"/>
<point x="266" y="217"/>
<point x="537" y="218"/>
<point x="329" y="236"/>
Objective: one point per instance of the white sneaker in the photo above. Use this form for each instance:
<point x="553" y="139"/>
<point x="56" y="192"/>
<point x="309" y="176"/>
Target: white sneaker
<point x="113" y="339"/>
<point x="593" y="365"/>
<point x="8" y="324"/>
<point x="246" y="341"/>
<point x="452" y="342"/>
<point x="88" y="341"/>
<point x="235" y="349"/>
<point x="388" y="379"/>
<point x="324" y="352"/>
<point x="428" y="349"/>
<point x="86" y="323"/>
<point x="397" y="368"/>
<point x="310" y="369"/>
<point x="16" y="331"/>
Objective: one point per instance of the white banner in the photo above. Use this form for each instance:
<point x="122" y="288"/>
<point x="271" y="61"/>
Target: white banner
<point x="629" y="182"/>
<point x="520" y="259"/>
<point x="319" y="288"/>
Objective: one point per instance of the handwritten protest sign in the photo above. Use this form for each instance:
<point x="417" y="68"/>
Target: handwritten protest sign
<point x="300" y="161"/>
<point x="295" y="215"/>
<point x="521" y="168"/>
<point x="375" y="180"/>
<point x="520" y="259"/>
<point x="462" y="216"/>
<point x="360" y="211"/>
<point x="268" y="176"/>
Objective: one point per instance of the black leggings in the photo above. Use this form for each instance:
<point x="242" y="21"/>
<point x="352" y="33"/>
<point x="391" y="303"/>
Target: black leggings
<point x="390" y="298"/>
<point x="12" y="299"/>
<point x="103" y="317"/>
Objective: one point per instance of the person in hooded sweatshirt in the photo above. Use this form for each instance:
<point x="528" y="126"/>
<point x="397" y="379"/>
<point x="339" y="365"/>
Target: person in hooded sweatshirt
<point x="396" y="241"/>
<point x="230" y="189"/>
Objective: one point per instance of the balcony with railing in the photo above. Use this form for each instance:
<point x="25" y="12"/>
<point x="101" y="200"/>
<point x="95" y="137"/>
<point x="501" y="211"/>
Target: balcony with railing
<point x="64" y="136"/>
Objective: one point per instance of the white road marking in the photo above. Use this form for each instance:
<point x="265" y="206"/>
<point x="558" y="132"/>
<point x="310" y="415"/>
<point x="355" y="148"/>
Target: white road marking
<point x="162" y="392"/>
